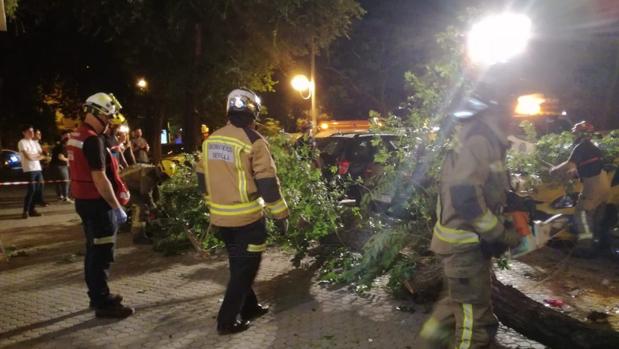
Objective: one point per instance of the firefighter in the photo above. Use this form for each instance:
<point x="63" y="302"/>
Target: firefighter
<point x="142" y="181"/>
<point x="99" y="195"/>
<point x="586" y="161"/>
<point x="198" y="164"/>
<point x="469" y="230"/>
<point x="240" y="176"/>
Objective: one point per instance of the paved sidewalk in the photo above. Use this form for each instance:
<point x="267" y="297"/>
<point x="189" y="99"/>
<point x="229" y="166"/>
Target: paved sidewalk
<point x="43" y="303"/>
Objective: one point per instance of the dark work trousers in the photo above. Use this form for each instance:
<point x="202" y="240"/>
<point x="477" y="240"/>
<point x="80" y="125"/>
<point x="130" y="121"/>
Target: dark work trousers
<point x="245" y="246"/>
<point x="35" y="187"/>
<point x="62" y="188"/>
<point x="100" y="229"/>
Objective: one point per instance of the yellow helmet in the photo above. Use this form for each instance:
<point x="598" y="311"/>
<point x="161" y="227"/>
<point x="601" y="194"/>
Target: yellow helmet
<point x="204" y="129"/>
<point x="168" y="167"/>
<point x="118" y="119"/>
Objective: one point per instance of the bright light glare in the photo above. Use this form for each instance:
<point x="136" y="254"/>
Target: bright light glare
<point x="498" y="38"/>
<point x="300" y="83"/>
<point x="324" y="125"/>
<point x="530" y="104"/>
<point x="142" y="83"/>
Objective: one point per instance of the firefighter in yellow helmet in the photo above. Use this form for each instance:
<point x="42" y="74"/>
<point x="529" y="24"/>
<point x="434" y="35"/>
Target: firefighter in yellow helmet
<point x="469" y="230"/>
<point x="585" y="161"/>
<point x="204" y="130"/>
<point x="240" y="177"/>
<point x="142" y="180"/>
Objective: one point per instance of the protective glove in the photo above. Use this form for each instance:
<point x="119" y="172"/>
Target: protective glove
<point x="120" y="215"/>
<point x="282" y="226"/>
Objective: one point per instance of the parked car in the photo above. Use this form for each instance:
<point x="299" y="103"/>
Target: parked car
<point x="353" y="154"/>
<point x="10" y="165"/>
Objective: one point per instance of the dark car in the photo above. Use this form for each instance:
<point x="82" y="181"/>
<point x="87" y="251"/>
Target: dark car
<point x="353" y="154"/>
<point x="10" y="165"/>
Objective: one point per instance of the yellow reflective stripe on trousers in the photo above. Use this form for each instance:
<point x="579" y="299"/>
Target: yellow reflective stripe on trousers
<point x="256" y="248"/>
<point x="486" y="222"/>
<point x="277" y="207"/>
<point x="235" y="209"/>
<point x="585" y="223"/>
<point x="105" y="240"/>
<point x="230" y="141"/>
<point x="455" y="236"/>
<point x="467" y="326"/>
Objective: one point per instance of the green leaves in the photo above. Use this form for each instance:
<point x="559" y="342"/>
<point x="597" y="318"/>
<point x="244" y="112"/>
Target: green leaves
<point x="314" y="209"/>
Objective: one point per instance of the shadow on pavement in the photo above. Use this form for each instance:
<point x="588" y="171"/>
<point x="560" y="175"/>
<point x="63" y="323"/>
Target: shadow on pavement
<point x="42" y="324"/>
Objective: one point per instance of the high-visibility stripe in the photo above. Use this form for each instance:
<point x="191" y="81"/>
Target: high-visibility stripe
<point x="256" y="248"/>
<point x="205" y="164"/>
<point x="455" y="236"/>
<point x="105" y="240"/>
<point x="235" y="209"/>
<point x="449" y="235"/>
<point x="467" y="326"/>
<point x="75" y="143"/>
<point x="487" y="222"/>
<point x="241" y="176"/>
<point x="277" y="207"/>
<point x="585" y="223"/>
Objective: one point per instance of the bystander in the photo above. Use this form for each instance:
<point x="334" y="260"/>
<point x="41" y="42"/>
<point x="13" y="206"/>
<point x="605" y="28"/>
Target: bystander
<point x="31" y="155"/>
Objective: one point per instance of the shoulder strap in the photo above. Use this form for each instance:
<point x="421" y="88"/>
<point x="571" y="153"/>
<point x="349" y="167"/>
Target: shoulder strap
<point x="253" y="135"/>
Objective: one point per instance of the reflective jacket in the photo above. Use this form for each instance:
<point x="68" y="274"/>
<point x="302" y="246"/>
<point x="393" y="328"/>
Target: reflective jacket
<point x="241" y="178"/>
<point x="82" y="185"/>
<point x="473" y="186"/>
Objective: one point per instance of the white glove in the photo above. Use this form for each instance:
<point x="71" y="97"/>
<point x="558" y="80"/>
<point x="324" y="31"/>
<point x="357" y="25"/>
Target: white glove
<point x="120" y="215"/>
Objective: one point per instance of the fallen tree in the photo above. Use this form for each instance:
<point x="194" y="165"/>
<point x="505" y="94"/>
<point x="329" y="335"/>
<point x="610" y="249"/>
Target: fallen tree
<point x="546" y="325"/>
<point x="534" y="320"/>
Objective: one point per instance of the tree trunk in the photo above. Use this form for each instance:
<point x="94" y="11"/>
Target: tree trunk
<point x="156" y="134"/>
<point x="546" y="325"/>
<point x="528" y="317"/>
<point x="191" y="122"/>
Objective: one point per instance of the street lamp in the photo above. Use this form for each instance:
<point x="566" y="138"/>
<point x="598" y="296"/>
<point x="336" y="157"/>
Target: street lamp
<point x="498" y="38"/>
<point x="303" y="85"/>
<point x="142" y="84"/>
<point x="307" y="90"/>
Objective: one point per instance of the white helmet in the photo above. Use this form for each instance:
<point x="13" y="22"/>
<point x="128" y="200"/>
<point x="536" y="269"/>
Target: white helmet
<point x="243" y="100"/>
<point x="102" y="104"/>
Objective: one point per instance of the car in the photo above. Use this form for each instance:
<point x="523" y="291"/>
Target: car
<point x="354" y="155"/>
<point x="10" y="166"/>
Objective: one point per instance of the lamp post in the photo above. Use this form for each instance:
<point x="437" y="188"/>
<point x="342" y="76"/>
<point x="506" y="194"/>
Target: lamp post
<point x="307" y="90"/>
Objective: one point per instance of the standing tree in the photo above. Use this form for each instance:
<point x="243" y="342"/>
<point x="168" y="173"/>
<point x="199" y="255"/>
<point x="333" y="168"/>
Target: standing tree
<point x="194" y="52"/>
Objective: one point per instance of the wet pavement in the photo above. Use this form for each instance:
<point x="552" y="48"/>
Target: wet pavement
<point x="44" y="303"/>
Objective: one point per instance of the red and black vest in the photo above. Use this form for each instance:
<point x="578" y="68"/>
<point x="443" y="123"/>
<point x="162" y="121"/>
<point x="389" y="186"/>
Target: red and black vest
<point x="82" y="185"/>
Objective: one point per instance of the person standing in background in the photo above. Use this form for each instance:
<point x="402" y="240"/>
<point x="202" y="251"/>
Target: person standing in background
<point x="38" y="199"/>
<point x="140" y="147"/>
<point x="60" y="164"/>
<point x="31" y="155"/>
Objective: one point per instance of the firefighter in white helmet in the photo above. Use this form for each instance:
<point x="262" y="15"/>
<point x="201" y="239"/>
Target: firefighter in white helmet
<point x="99" y="198"/>
<point x="241" y="175"/>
